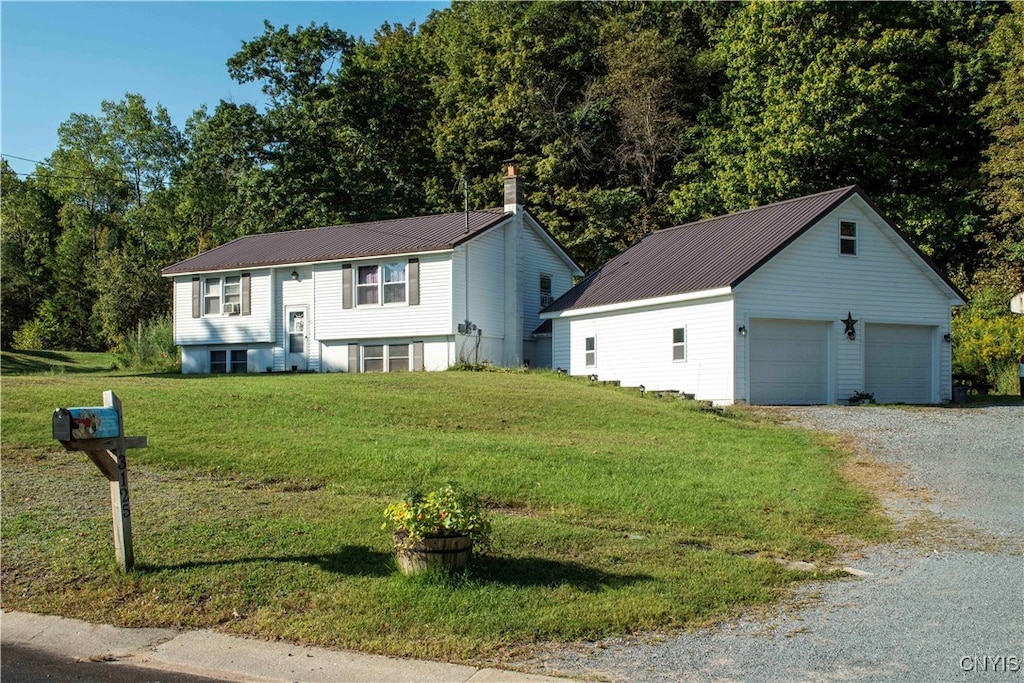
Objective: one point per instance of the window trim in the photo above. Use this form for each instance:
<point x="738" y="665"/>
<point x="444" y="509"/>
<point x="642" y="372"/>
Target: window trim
<point x="386" y="358"/>
<point x="380" y="286"/>
<point x="546" y="297"/>
<point x="848" y="242"/>
<point x="208" y="297"/>
<point x="230" y="361"/>
<point x="590" y="354"/>
<point x="676" y="345"/>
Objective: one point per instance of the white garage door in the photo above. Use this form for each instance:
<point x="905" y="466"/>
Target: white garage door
<point x="898" y="363"/>
<point x="788" y="362"/>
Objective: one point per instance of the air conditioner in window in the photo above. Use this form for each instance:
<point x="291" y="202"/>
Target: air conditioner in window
<point x="546" y="300"/>
<point x="232" y="309"/>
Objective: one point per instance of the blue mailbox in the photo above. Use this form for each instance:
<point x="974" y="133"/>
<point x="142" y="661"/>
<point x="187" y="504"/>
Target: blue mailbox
<point x="80" y="424"/>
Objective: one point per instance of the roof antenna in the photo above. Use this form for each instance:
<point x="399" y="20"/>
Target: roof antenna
<point x="464" y="181"/>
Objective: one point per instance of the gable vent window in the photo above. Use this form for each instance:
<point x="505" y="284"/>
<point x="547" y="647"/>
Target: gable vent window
<point x="590" y="348"/>
<point x="847" y="238"/>
<point x="679" y="344"/>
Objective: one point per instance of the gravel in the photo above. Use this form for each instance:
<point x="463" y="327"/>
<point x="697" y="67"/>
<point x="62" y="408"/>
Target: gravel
<point x="946" y="608"/>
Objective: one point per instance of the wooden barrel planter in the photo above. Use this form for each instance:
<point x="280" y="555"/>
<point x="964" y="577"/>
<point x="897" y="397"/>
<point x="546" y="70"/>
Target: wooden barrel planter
<point x="448" y="553"/>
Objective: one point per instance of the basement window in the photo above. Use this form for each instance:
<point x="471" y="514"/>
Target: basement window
<point x="229" y="361"/>
<point x="847" y="238"/>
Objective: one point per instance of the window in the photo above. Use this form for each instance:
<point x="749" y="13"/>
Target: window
<point x="234" y="360"/>
<point x="679" y="344"/>
<point x="848" y="238"/>
<point x="218" y="362"/>
<point x="211" y="296"/>
<point x="545" y="291"/>
<point x="233" y="295"/>
<point x="366" y="285"/>
<point x="590" y="356"/>
<point x="372" y="290"/>
<point x="373" y="358"/>
<point x="239" y="360"/>
<point x="394" y="283"/>
<point x="398" y="358"/>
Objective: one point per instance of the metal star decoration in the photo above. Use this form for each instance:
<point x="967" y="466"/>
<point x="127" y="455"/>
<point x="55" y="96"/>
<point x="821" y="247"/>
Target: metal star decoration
<point x="849" y="322"/>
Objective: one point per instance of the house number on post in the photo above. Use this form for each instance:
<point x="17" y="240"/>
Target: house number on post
<point x="99" y="431"/>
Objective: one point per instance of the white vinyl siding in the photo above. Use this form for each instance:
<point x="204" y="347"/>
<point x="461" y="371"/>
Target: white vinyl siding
<point x="811" y="280"/>
<point x="432" y="316"/>
<point x="256" y="328"/>
<point x="634" y="347"/>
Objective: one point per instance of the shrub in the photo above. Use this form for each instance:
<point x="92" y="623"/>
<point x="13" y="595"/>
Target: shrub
<point x="151" y="348"/>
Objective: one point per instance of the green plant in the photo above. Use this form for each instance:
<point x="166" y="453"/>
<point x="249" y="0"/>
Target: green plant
<point x="448" y="511"/>
<point x="859" y="397"/>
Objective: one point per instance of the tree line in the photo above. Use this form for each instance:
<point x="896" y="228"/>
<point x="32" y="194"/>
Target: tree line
<point x="626" y="117"/>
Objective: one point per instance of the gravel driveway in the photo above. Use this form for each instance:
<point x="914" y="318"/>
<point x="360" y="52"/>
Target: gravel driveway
<point x="948" y="606"/>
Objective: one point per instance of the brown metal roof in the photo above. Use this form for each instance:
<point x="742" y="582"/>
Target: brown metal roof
<point x="709" y="254"/>
<point x="334" y="243"/>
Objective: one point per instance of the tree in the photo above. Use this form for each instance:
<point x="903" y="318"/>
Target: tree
<point x="1003" y="109"/>
<point x="30" y="228"/>
<point x="821" y="95"/>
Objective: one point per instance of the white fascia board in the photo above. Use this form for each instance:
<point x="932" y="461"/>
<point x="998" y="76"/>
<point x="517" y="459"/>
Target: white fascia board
<point x="640" y="303"/>
<point x="297" y="264"/>
<point x="555" y="246"/>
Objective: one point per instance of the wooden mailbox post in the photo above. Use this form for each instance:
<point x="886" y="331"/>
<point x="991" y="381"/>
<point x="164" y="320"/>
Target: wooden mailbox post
<point x="99" y="431"/>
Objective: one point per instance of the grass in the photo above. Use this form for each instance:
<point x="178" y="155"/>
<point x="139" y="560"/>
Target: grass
<point x="257" y="508"/>
<point x="30" y="362"/>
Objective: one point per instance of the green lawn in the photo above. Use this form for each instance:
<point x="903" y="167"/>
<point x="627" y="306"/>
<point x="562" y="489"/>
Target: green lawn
<point x="257" y="508"/>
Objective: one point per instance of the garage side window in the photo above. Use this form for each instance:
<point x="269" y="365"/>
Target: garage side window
<point x="848" y="238"/>
<point x="679" y="344"/>
<point x="590" y="356"/>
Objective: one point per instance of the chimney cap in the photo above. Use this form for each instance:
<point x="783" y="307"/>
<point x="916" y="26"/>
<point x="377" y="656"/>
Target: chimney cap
<point x="512" y="164"/>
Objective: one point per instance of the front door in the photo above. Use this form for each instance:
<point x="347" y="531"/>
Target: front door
<point x="297" y="340"/>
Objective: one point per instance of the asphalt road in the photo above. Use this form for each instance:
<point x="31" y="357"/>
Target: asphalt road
<point x="946" y="606"/>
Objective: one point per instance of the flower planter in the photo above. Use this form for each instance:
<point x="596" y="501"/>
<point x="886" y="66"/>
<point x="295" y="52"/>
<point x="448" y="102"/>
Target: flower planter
<point x="448" y="553"/>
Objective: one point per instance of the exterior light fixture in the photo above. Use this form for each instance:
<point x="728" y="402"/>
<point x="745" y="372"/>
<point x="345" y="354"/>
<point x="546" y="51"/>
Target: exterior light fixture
<point x="742" y="330"/>
<point x="948" y="338"/>
<point x="295" y="275"/>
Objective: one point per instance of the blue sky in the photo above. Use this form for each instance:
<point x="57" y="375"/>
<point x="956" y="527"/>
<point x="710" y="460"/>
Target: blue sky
<point x="59" y="58"/>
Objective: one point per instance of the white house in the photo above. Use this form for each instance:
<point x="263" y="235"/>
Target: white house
<point x="417" y="293"/>
<point x="805" y="301"/>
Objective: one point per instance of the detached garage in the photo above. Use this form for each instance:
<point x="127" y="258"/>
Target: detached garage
<point x="806" y="301"/>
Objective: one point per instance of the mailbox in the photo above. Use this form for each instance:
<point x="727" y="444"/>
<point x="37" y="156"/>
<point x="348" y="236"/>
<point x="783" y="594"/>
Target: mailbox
<point x="79" y="424"/>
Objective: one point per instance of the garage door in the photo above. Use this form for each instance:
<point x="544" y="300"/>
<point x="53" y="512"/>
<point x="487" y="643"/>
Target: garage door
<point x="788" y="362"/>
<point x="898" y="363"/>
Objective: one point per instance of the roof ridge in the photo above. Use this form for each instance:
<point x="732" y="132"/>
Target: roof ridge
<point x="838" y="190"/>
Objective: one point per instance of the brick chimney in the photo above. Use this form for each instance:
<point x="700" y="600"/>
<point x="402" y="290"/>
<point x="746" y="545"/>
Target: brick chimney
<point x="513" y="188"/>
